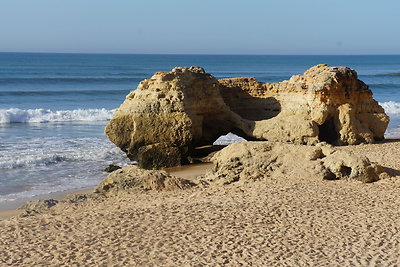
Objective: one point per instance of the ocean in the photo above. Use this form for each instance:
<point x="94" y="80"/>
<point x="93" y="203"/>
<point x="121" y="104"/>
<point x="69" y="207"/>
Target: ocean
<point x="53" y="108"/>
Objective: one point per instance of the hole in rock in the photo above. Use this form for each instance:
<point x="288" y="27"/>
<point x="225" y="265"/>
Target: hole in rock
<point x="327" y="131"/>
<point x="328" y="175"/>
<point x="228" y="139"/>
<point x="248" y="106"/>
<point x="345" y="171"/>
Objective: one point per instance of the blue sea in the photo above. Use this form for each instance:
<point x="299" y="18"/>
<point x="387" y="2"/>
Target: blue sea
<point x="53" y="108"/>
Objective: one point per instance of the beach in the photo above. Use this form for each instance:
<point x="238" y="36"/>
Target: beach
<point x="154" y="133"/>
<point x="271" y="222"/>
<point x="54" y="107"/>
<point x="52" y="131"/>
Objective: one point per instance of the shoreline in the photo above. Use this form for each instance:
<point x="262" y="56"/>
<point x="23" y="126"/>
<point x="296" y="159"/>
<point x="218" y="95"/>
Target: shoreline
<point x="14" y="211"/>
<point x="10" y="205"/>
<point x="187" y="172"/>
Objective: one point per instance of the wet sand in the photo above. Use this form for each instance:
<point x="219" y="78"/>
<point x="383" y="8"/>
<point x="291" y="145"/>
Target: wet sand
<point x="8" y="213"/>
<point x="5" y="214"/>
<point x="271" y="222"/>
<point x="186" y="172"/>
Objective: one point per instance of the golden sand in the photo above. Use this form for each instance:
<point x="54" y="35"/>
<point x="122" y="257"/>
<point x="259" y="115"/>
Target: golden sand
<point x="272" y="222"/>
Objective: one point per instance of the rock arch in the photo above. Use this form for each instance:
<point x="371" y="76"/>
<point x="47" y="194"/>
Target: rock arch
<point x="167" y="116"/>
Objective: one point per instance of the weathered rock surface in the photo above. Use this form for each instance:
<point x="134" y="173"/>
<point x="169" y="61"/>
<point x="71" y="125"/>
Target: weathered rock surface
<point x="169" y="114"/>
<point x="325" y="104"/>
<point x="173" y="112"/>
<point x="111" y="168"/>
<point x="256" y="160"/>
<point x="132" y="178"/>
<point x="37" y="206"/>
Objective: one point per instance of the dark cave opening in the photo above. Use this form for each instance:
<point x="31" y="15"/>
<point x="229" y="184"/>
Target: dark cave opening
<point x="328" y="132"/>
<point x="345" y="171"/>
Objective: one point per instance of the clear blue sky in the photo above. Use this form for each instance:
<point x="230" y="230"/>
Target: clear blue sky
<point x="201" y="27"/>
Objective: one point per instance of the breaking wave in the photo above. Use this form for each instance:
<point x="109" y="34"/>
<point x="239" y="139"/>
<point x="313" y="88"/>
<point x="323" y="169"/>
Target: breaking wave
<point x="16" y="115"/>
<point x="391" y="107"/>
<point x="63" y="93"/>
<point x="44" y="157"/>
<point x="69" y="80"/>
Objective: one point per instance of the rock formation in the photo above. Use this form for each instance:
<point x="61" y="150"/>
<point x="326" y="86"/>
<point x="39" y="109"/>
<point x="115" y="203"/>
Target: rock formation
<point x="133" y="178"/>
<point x="170" y="114"/>
<point x="256" y="160"/>
<point x="37" y="206"/>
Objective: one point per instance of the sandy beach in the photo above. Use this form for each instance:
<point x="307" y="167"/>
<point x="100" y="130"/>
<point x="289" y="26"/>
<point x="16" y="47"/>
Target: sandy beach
<point x="271" y="222"/>
<point x="155" y="133"/>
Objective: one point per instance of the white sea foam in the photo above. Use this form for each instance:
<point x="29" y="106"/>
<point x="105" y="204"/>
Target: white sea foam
<point x="391" y="107"/>
<point x="29" y="161"/>
<point x="33" y="167"/>
<point x="228" y="139"/>
<point x="16" y="115"/>
<point x="51" y="151"/>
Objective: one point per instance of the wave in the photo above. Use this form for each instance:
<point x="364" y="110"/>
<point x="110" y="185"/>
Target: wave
<point x="16" y="115"/>
<point x="70" y="79"/>
<point x="30" y="161"/>
<point x="85" y="154"/>
<point x="388" y="74"/>
<point x="391" y="107"/>
<point x="228" y="139"/>
<point x="384" y="85"/>
<point x="132" y="74"/>
<point x="64" y="92"/>
<point x="267" y="79"/>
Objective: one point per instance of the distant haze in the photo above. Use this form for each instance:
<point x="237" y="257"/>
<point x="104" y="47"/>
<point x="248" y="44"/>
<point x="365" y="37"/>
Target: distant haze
<point x="201" y="27"/>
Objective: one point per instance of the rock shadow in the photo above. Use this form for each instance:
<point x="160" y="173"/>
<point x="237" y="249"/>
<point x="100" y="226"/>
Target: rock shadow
<point x="390" y="140"/>
<point x="250" y="107"/>
<point x="392" y="172"/>
<point x="328" y="132"/>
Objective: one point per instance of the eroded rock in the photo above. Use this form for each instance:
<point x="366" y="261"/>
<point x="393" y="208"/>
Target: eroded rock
<point x="111" y="168"/>
<point x="167" y="116"/>
<point x="37" y="206"/>
<point x="177" y="110"/>
<point x="256" y="160"/>
<point x="132" y="178"/>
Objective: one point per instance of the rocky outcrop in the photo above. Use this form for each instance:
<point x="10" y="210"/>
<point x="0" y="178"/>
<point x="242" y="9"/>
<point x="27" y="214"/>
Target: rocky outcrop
<point x="36" y="206"/>
<point x="325" y="104"/>
<point x="132" y="178"/>
<point x="245" y="161"/>
<point x="170" y="114"/>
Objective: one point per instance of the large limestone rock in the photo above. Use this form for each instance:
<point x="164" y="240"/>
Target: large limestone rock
<point x="325" y="104"/>
<point x="170" y="114"/>
<point x="245" y="161"/>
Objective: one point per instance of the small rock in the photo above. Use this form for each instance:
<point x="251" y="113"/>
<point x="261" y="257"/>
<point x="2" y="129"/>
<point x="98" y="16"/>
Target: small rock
<point x="132" y="178"/>
<point x="111" y="168"/>
<point x="37" y="206"/>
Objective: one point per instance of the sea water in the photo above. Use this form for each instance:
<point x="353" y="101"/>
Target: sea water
<point x="53" y="108"/>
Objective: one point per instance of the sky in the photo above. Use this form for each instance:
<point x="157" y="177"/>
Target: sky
<point x="280" y="27"/>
